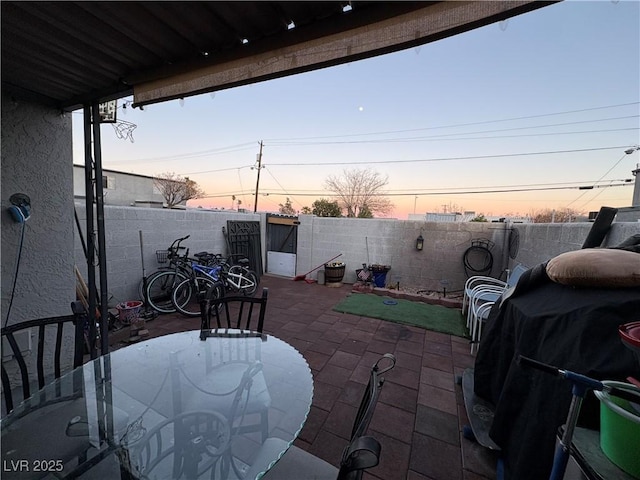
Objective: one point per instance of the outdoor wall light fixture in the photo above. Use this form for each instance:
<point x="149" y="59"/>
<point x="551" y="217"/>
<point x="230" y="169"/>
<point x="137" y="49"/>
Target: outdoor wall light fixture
<point x="419" y="243"/>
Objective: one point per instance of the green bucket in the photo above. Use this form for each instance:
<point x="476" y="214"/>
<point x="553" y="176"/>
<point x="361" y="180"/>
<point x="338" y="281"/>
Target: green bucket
<point x="620" y="428"/>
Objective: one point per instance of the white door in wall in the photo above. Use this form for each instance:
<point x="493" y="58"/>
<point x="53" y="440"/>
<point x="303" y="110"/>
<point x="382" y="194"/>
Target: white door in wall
<point x="279" y="263"/>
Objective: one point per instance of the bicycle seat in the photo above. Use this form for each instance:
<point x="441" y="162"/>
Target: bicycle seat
<point x="243" y="261"/>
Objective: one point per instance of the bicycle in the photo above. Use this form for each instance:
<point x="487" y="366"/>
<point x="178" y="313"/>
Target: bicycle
<point x="238" y="277"/>
<point x="171" y="255"/>
<point x="161" y="283"/>
<point x="203" y="282"/>
<point x="213" y="280"/>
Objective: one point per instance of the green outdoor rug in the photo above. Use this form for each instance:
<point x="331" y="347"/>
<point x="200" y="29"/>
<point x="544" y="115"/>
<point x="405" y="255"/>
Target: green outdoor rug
<point x="430" y="317"/>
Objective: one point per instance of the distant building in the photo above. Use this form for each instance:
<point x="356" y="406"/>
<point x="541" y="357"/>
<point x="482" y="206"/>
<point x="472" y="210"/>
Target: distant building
<point x="122" y="189"/>
<point x="463" y="217"/>
<point x="514" y="219"/>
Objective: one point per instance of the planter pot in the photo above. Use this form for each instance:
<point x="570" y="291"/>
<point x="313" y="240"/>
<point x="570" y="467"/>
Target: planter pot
<point x="380" y="279"/>
<point x="379" y="274"/>
<point x="334" y="274"/>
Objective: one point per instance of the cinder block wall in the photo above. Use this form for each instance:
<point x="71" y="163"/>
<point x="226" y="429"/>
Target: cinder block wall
<point x="393" y="243"/>
<point x="541" y="242"/>
<point x="381" y="241"/>
<point x="159" y="228"/>
<point x="440" y="263"/>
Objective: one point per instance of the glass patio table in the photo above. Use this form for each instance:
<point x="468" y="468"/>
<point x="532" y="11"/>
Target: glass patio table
<point x="169" y="407"/>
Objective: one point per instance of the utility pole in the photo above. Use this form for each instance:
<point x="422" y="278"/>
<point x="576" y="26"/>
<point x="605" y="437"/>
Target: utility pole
<point x="255" y="205"/>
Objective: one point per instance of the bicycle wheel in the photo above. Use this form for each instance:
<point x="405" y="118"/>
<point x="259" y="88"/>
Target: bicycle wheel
<point x="187" y="295"/>
<point x="249" y="283"/>
<point x="215" y="292"/>
<point x="159" y="291"/>
<point x="149" y="278"/>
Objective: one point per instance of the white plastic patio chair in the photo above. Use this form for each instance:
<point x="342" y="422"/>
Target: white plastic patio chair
<point x="479" y="311"/>
<point x="480" y="294"/>
<point x="473" y="284"/>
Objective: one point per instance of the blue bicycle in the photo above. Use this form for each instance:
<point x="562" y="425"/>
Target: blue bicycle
<point x="203" y="283"/>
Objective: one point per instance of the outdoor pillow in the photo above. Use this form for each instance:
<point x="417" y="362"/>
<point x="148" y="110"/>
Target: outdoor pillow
<point x="596" y="267"/>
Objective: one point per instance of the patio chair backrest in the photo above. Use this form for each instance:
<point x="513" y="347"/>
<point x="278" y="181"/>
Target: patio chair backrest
<point x="48" y="330"/>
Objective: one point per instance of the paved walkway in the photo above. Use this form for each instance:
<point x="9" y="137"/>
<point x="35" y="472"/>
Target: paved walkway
<point x="420" y="413"/>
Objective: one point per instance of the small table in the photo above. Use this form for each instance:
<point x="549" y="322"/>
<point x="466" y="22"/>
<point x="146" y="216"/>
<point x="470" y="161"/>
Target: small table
<point x="166" y="407"/>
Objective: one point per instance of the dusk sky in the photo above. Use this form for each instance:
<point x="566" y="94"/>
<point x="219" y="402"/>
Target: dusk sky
<point x="546" y="100"/>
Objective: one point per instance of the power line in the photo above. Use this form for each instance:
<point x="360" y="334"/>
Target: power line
<point x="248" y="145"/>
<point x="454" y="138"/>
<point x="410" y="191"/>
<point x="504" y="129"/>
<point x="446" y="159"/>
<point x="604" y="175"/>
<point x="467" y="192"/>
<point x="449" y="191"/>
<point x="214" y="151"/>
<point x="461" y="124"/>
<point x="276" y="180"/>
<point x="217" y="170"/>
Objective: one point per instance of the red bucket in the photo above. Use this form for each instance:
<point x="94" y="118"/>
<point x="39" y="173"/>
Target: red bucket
<point x="129" y="311"/>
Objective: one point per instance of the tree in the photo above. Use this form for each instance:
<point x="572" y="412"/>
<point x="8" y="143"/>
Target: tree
<point x="365" y="212"/>
<point x="326" y="208"/>
<point x="306" y="210"/>
<point x="561" y="215"/>
<point x="357" y="188"/>
<point x="176" y="189"/>
<point x="287" y="208"/>
<point x="479" y="218"/>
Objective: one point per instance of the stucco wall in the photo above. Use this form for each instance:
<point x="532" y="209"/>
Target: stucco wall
<point x="37" y="161"/>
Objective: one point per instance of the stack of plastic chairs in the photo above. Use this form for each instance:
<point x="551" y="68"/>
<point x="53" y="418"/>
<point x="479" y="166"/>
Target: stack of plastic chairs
<point x="480" y="293"/>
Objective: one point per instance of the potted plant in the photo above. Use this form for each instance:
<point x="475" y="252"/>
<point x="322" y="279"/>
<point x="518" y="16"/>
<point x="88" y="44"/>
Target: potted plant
<point x="379" y="274"/>
<point x="334" y="272"/>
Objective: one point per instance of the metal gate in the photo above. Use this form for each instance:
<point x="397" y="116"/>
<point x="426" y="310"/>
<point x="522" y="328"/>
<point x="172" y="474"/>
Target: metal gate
<point x="243" y="238"/>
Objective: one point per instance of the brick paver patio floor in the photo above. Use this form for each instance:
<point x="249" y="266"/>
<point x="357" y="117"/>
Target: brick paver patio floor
<point x="420" y="414"/>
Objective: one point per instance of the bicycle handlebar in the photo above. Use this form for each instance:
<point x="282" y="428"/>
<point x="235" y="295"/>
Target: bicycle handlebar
<point x="176" y="243"/>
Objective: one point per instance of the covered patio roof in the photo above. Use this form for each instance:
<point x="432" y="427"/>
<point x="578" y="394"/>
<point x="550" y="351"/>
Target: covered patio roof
<point x="69" y="54"/>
